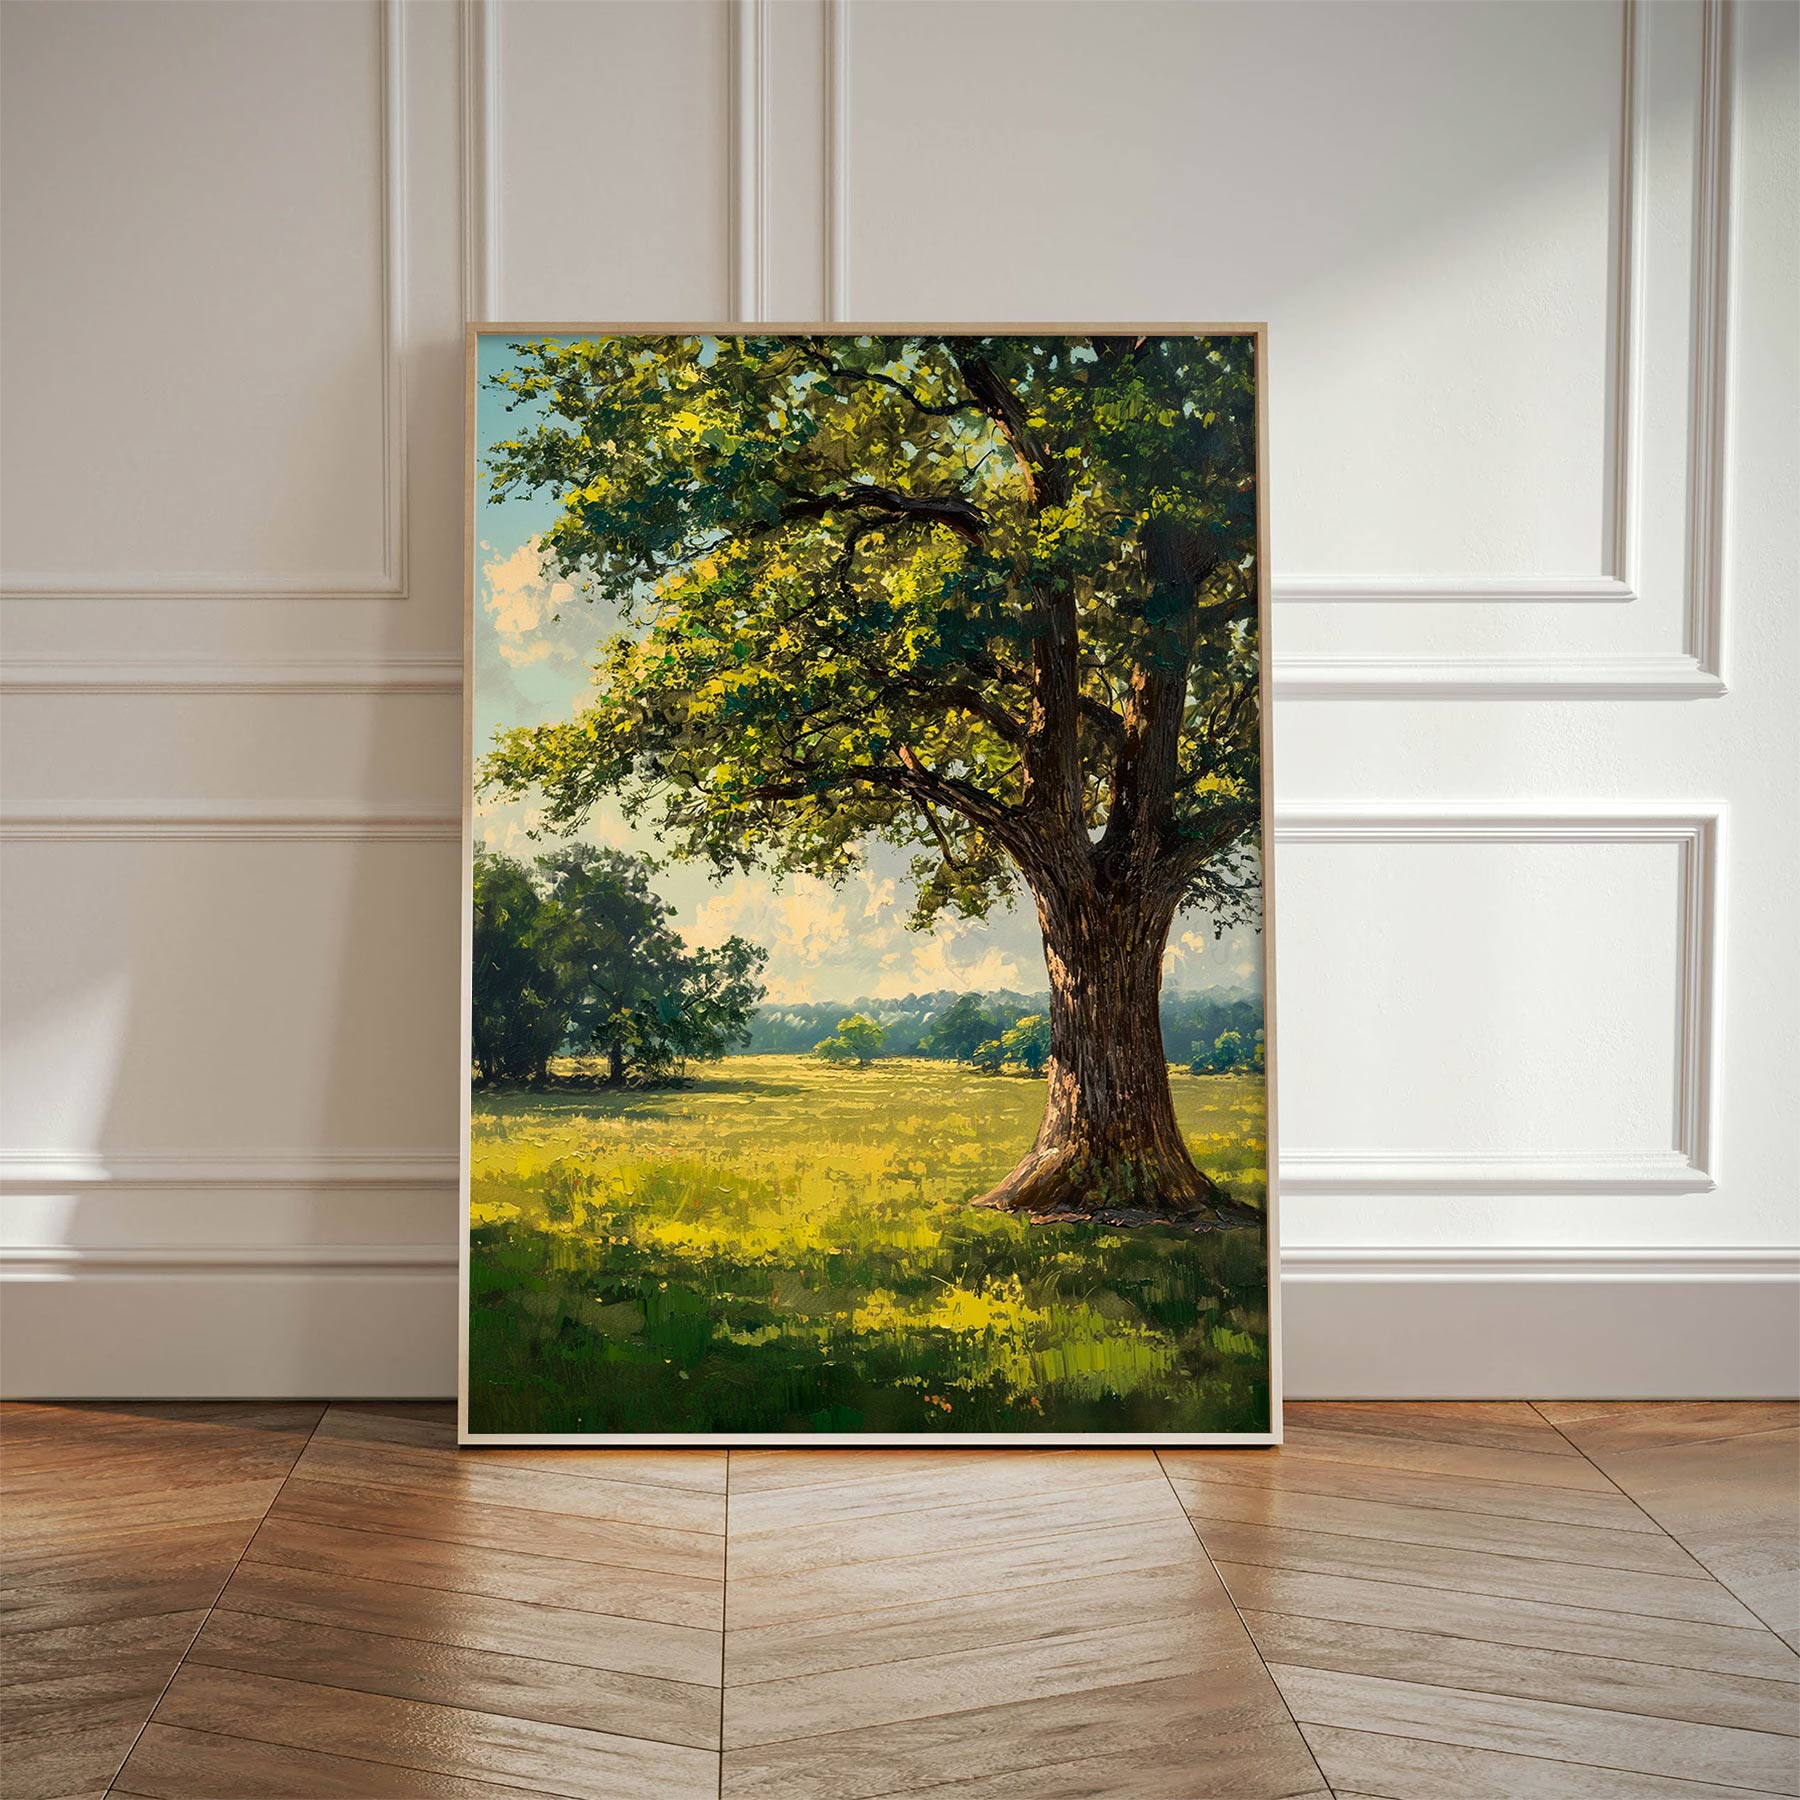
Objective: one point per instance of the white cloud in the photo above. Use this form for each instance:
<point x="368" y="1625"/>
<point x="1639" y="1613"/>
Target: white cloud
<point x="805" y="924"/>
<point x="878" y="895"/>
<point x="522" y="596"/>
<point x="505" y="828"/>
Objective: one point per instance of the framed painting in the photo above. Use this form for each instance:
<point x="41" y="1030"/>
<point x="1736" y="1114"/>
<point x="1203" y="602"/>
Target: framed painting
<point x="867" y="958"/>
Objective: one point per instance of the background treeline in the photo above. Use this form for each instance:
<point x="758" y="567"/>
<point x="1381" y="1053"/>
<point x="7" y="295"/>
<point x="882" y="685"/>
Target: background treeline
<point x="573" y="955"/>
<point x="918" y="1025"/>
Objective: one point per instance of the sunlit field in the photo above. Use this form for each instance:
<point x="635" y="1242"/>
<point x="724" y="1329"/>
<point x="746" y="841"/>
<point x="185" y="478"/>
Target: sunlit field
<point x="787" y="1246"/>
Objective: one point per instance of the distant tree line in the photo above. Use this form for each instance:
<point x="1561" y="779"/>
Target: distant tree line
<point x="573" y="955"/>
<point x="1229" y="1053"/>
<point x="961" y="1027"/>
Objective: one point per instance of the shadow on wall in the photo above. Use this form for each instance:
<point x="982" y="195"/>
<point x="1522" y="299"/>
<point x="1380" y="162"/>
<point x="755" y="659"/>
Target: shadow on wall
<point x="231" y="1107"/>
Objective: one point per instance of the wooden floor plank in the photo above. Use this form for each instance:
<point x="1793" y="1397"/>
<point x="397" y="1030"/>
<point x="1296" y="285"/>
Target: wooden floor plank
<point x="758" y="1471"/>
<point x="445" y="1740"/>
<point x="653" y="1595"/>
<point x="1600" y="1546"/>
<point x="521" y="1687"/>
<point x="970" y="1521"/>
<point x="1731" y="1500"/>
<point x="170" y="1763"/>
<point x="957" y="1477"/>
<point x="119" y="1526"/>
<point x="1630" y="1742"/>
<point x="1161" y="1774"/>
<point x="443" y="1473"/>
<point x="71" y="1757"/>
<point x="54" y="1676"/>
<point x="1294" y="1472"/>
<point x="1206" y="1647"/>
<point x="1498" y="1424"/>
<point x="1478" y="1572"/>
<point x="1615" y="1425"/>
<point x="1235" y="1728"/>
<point x="1478" y="1462"/>
<point x="1501" y="1619"/>
<point x="1700" y="1697"/>
<point x="476" y="1622"/>
<point x="947" y="1573"/>
<point x="978" y="1631"/>
<point x="1013" y="1615"/>
<point x="1392" y="1768"/>
<point x="125" y="1574"/>
<point x="697" y="1470"/>
<point x="489" y="1525"/>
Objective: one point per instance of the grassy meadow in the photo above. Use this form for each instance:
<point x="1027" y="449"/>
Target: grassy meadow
<point x="787" y="1246"/>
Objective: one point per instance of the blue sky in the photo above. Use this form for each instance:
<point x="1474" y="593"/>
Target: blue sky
<point x="535" y="639"/>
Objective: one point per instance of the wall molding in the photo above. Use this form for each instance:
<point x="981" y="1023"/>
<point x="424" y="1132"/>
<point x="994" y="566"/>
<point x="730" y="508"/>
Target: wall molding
<point x="1696" y="671"/>
<point x="1689" y="1164"/>
<point x="747" y="175"/>
<point x="260" y="675"/>
<point x="41" y="1171"/>
<point x="1552" y="1262"/>
<point x="478" y="56"/>
<point x="1673" y="676"/>
<point x="836" y="225"/>
<point x="391" y="583"/>
<point x="1451" y="590"/>
<point x="1709" y="341"/>
<point x="206" y="822"/>
<point x="29" y="1262"/>
<point x="1450" y="1172"/>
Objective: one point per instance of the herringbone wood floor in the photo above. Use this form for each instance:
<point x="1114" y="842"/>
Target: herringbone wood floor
<point x="1480" y="1602"/>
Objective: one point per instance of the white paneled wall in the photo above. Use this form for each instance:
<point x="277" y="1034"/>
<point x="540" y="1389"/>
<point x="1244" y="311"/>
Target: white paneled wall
<point x="1531" y="277"/>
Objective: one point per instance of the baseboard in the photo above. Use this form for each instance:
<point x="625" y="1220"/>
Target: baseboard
<point x="373" y="1321"/>
<point x="352" y="1322"/>
<point x="1546" y="1324"/>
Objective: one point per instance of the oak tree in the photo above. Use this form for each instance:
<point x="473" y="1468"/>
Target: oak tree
<point x="993" y="599"/>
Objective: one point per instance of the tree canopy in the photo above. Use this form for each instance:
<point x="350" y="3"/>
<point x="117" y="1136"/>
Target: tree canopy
<point x="575" y="952"/>
<point x="858" y="1039"/>
<point x="941" y="591"/>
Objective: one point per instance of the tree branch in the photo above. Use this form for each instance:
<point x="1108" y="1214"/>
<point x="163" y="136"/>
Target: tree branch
<point x="949" y="510"/>
<point x="827" y="364"/>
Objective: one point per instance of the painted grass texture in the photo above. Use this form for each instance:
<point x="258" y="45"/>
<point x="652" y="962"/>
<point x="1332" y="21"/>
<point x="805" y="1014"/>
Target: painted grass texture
<point x="784" y="1246"/>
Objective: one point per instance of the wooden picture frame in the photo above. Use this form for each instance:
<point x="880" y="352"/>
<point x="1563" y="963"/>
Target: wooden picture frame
<point x="477" y="1428"/>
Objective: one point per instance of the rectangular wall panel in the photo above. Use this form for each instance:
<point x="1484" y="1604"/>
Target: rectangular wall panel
<point x="1476" y="1000"/>
<point x="608" y="159"/>
<point x="199" y="244"/>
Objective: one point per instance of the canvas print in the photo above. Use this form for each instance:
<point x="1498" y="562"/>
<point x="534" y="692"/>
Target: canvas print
<point x="867" y="953"/>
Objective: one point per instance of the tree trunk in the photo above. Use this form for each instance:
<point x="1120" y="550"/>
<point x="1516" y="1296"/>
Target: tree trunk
<point x="615" y="1073"/>
<point x="1109" y="1146"/>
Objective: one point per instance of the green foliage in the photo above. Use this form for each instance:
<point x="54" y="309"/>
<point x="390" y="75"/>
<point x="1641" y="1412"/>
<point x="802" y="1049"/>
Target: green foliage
<point x="858" y="1039"/>
<point x="520" y="989"/>
<point x="747" y="1254"/>
<point x="1024" y="1045"/>
<point x="974" y="596"/>
<point x="962" y="1028"/>
<point x="1190" y="1021"/>
<point x="1228" y="1054"/>
<point x="576" y="951"/>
